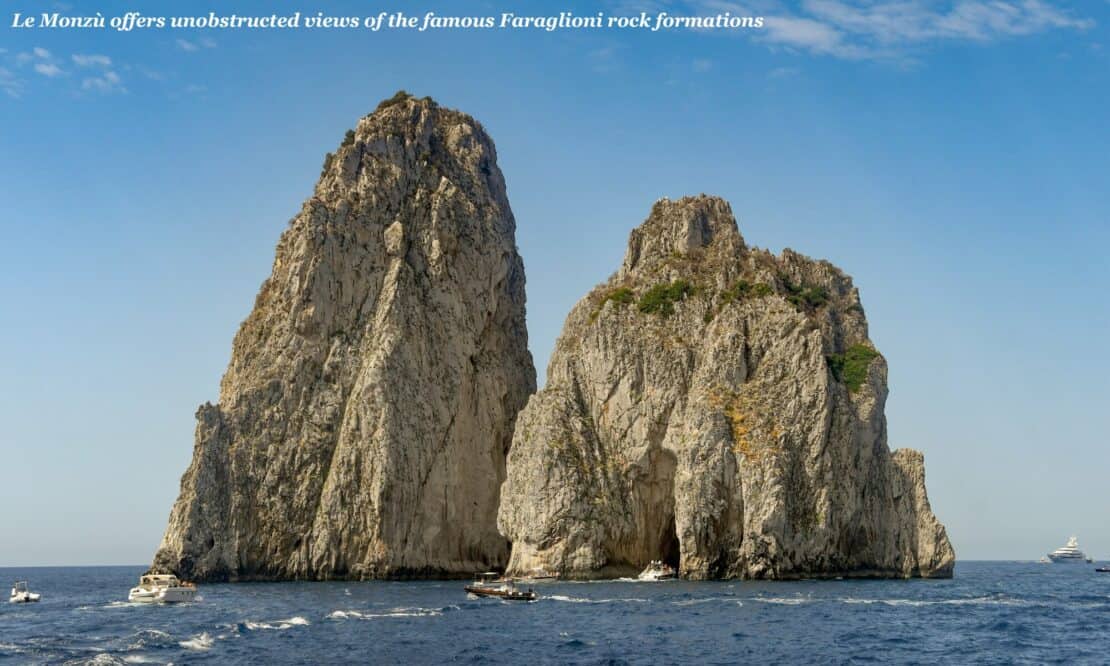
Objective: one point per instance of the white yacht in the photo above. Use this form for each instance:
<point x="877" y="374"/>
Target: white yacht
<point x="162" y="588"/>
<point x="1069" y="553"/>
<point x="658" y="570"/>
<point x="21" y="595"/>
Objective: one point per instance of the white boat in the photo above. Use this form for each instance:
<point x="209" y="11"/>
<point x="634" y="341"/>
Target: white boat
<point x="1069" y="553"/>
<point x="21" y="595"/>
<point x="491" y="584"/>
<point x="658" y="570"/>
<point x="162" y="588"/>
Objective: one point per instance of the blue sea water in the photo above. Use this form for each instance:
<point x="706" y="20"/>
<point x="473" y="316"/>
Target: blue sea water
<point x="991" y="612"/>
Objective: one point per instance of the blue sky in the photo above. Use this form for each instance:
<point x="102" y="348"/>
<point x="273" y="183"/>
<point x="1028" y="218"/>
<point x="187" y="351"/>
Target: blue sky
<point x="953" y="157"/>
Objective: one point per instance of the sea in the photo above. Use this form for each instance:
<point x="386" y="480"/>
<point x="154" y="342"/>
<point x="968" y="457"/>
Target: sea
<point x="989" y="613"/>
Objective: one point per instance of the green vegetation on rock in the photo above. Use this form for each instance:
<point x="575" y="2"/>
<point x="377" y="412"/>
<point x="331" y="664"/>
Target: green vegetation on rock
<point x="620" y="296"/>
<point x="805" y="297"/>
<point x="661" y="298"/>
<point x="851" y="366"/>
<point x="744" y="289"/>
<point x="398" y="97"/>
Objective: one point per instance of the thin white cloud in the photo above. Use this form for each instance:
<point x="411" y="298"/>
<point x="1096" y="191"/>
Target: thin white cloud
<point x="701" y="65"/>
<point x="208" y="43"/>
<point x="605" y="59"/>
<point x="924" y="20"/>
<point x="108" y="82"/>
<point x="41" y="52"/>
<point x="10" y="84"/>
<point x="186" y="45"/>
<point x="811" y="35"/>
<point x="48" y="69"/>
<point x="872" y="30"/>
<point x="23" y="58"/>
<point x="783" y="72"/>
<point x="91" y="60"/>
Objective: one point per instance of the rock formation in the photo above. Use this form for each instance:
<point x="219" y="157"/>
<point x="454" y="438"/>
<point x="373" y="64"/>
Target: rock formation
<point x="721" y="408"/>
<point x="364" y="418"/>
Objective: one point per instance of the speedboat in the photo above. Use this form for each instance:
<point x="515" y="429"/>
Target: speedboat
<point x="658" y="570"/>
<point x="1103" y="569"/>
<point x="1069" y="553"/>
<point x="162" y="588"/>
<point x="490" y="584"/>
<point x="21" y="595"/>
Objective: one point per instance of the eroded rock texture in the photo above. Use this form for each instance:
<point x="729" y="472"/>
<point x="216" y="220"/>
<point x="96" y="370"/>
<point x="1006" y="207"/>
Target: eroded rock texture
<point x="722" y="408"/>
<point x="364" y="418"/>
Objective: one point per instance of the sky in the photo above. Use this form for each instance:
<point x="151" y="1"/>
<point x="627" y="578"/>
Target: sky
<point x="952" y="156"/>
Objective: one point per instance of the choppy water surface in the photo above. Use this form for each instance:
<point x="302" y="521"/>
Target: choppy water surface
<point x="992" y="612"/>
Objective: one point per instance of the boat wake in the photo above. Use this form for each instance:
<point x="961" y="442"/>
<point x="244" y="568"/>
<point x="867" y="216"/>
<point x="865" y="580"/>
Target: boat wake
<point x="995" y="600"/>
<point x="396" y="612"/>
<point x="707" y="600"/>
<point x="112" y="604"/>
<point x="583" y="600"/>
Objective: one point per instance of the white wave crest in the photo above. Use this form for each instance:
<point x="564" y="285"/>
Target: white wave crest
<point x="967" y="601"/>
<point x="199" y="642"/>
<point x="296" y="621"/>
<point x="785" y="601"/>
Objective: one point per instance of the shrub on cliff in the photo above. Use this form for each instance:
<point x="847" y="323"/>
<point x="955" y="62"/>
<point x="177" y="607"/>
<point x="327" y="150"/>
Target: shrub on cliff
<point x="620" y="296"/>
<point x="661" y="298"/>
<point x="851" y="366"/>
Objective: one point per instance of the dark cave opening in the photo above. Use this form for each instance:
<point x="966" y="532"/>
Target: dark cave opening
<point x="670" y="551"/>
<point x="654" y="504"/>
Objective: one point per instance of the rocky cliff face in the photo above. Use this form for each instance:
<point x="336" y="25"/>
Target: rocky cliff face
<point x="365" y="416"/>
<point x="721" y="408"/>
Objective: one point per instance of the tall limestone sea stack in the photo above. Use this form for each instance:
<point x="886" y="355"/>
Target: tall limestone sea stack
<point x="720" y="408"/>
<point x="364" y="418"/>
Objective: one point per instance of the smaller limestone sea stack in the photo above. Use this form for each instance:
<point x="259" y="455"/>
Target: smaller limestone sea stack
<point x="720" y="408"/>
<point x="369" y="403"/>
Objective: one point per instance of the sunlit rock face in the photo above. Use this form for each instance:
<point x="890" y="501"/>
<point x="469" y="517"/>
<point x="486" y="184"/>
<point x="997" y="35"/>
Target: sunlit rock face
<point x="364" y="418"/>
<point x="721" y="408"/>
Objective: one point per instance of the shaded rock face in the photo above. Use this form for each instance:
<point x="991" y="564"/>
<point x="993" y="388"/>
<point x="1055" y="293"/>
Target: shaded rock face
<point x="364" y="418"/>
<point x="721" y="408"/>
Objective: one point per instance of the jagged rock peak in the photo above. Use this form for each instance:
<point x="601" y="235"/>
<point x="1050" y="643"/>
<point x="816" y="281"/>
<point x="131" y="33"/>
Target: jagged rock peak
<point x="694" y="224"/>
<point x="720" y="408"/>
<point x="365" y="414"/>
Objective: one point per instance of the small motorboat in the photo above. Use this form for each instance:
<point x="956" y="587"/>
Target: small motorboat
<point x="490" y="584"/>
<point x="162" y="588"/>
<point x="22" y="595"/>
<point x="658" y="570"/>
<point x="1103" y="569"/>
